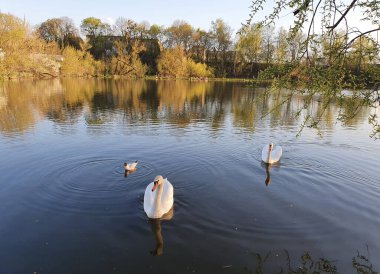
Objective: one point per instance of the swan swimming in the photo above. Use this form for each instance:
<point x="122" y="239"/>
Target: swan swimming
<point x="158" y="198"/>
<point x="271" y="155"/>
<point x="131" y="166"/>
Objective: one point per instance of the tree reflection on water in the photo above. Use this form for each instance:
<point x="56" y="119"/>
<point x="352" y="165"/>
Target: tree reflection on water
<point x="179" y="103"/>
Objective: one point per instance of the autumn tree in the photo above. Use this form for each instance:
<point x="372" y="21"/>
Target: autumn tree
<point x="125" y="27"/>
<point x="13" y="37"/>
<point x="363" y="53"/>
<point x="179" y="34"/>
<point x="142" y="30"/>
<point x="248" y="46"/>
<point x="222" y="34"/>
<point x="267" y="44"/>
<point x="281" y="46"/>
<point x="96" y="32"/>
<point x="172" y="63"/>
<point x="202" y="42"/>
<point x="198" y="70"/>
<point x="156" y="32"/>
<point x="79" y="63"/>
<point x="92" y="26"/>
<point x="127" y="62"/>
<point x="61" y="30"/>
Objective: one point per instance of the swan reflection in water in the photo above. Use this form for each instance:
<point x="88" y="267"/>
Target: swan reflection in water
<point x="268" y="167"/>
<point x="128" y="172"/>
<point x="156" y="229"/>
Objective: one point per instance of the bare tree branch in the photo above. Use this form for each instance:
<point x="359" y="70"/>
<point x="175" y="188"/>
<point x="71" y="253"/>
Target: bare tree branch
<point x="343" y="16"/>
<point x="360" y="35"/>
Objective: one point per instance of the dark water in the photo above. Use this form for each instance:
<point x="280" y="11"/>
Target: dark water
<point x="66" y="207"/>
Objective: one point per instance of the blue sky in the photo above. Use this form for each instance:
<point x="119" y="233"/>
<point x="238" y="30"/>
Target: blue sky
<point x="198" y="13"/>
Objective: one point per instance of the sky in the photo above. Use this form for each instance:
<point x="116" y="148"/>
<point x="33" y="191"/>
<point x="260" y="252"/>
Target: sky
<point x="198" y="13"/>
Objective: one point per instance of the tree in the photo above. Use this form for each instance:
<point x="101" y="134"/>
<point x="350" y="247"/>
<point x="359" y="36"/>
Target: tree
<point x="24" y="53"/>
<point x="172" y="62"/>
<point x="364" y="52"/>
<point x="202" y="43"/>
<point x="61" y="30"/>
<point x="127" y="61"/>
<point x="96" y="32"/>
<point x="180" y="35"/>
<point x="78" y="63"/>
<point x="296" y="43"/>
<point x="50" y="30"/>
<point x="248" y="46"/>
<point x="156" y="32"/>
<point x="221" y="33"/>
<point x="329" y="81"/>
<point x="267" y="41"/>
<point x="92" y="26"/>
<point x="331" y="46"/>
<point x="142" y="29"/>
<point x="281" y="48"/>
<point x="199" y="70"/>
<point x="125" y="27"/>
<point x="70" y="33"/>
<point x="12" y="29"/>
<point x="13" y="38"/>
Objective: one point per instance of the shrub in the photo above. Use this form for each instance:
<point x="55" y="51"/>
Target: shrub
<point x="198" y="69"/>
<point x="172" y="63"/>
<point x="79" y="63"/>
<point x="128" y="63"/>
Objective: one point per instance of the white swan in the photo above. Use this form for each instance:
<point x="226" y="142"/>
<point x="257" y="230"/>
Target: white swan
<point x="271" y="155"/>
<point x="158" y="198"/>
<point x="131" y="166"/>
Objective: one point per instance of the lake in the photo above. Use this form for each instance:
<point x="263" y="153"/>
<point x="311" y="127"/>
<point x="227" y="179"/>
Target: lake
<point x="66" y="205"/>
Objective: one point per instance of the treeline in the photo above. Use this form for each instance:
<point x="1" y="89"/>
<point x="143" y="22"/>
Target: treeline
<point x="56" y="47"/>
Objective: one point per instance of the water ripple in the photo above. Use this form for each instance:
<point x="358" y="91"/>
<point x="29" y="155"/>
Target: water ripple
<point x="89" y="186"/>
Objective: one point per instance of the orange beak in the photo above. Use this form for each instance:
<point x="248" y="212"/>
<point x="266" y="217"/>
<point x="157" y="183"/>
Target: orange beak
<point x="155" y="186"/>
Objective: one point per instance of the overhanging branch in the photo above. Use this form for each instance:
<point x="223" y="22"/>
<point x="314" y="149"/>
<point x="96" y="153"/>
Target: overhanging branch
<point x="343" y="16"/>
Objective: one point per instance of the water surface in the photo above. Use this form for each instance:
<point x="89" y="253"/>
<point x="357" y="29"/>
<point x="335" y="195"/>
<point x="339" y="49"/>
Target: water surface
<point x="66" y="205"/>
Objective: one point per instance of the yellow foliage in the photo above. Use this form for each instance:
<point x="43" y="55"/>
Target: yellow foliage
<point x="22" y="53"/>
<point x="78" y="63"/>
<point x="128" y="63"/>
<point x="172" y="63"/>
<point x="198" y="69"/>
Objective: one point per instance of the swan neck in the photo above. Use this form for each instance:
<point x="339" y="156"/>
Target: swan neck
<point x="269" y="154"/>
<point x="158" y="196"/>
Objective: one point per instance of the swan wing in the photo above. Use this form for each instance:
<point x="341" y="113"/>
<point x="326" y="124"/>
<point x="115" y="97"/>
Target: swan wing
<point x="264" y="154"/>
<point x="149" y="200"/>
<point x="167" y="197"/>
<point x="274" y="156"/>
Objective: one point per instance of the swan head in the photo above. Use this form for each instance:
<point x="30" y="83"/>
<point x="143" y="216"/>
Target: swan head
<point x="158" y="180"/>
<point x="271" y="145"/>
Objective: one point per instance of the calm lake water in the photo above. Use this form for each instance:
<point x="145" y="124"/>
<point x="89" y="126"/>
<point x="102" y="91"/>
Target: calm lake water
<point x="67" y="207"/>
